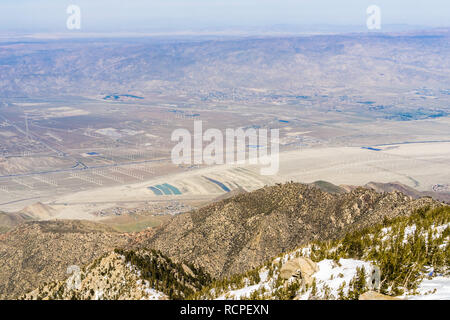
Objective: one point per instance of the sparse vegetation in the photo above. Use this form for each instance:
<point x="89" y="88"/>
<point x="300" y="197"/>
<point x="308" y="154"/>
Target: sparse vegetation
<point x="404" y="258"/>
<point x="166" y="276"/>
<point x="404" y="248"/>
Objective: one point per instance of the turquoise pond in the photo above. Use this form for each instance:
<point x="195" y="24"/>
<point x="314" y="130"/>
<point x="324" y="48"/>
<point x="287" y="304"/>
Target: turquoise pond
<point x="165" y="189"/>
<point x="220" y="184"/>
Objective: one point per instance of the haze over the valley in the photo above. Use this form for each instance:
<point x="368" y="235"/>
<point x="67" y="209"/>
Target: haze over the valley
<point x="86" y="124"/>
<point x="343" y="117"/>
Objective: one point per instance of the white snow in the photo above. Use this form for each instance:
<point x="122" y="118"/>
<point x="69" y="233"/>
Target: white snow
<point x="385" y="233"/>
<point x="152" y="294"/>
<point x="246" y="291"/>
<point x="333" y="276"/>
<point x="409" y="231"/>
<point x="330" y="275"/>
<point x="306" y="252"/>
<point x="98" y="295"/>
<point x="437" y="288"/>
<point x="437" y="231"/>
<point x="264" y="275"/>
<point x="240" y="293"/>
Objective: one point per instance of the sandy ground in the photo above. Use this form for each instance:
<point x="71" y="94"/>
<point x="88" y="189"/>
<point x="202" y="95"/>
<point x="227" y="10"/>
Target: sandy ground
<point x="417" y="165"/>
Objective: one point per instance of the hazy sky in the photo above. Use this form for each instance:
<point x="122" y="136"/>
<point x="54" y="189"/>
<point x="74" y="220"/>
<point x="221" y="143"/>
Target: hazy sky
<point x="142" y="15"/>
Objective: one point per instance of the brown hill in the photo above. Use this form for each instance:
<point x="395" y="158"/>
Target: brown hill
<point x="328" y="187"/>
<point x="242" y="232"/>
<point x="39" y="211"/>
<point x="10" y="220"/>
<point x="397" y="186"/>
<point x="230" y="194"/>
<point x="227" y="237"/>
<point x="37" y="252"/>
<point x="127" y="275"/>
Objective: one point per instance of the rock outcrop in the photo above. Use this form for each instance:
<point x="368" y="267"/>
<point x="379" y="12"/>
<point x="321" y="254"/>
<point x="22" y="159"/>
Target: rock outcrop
<point x="125" y="275"/>
<point x="373" y="295"/>
<point x="37" y="252"/>
<point x="302" y="268"/>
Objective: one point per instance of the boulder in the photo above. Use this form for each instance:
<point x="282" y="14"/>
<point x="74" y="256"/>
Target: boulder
<point x="301" y="267"/>
<point x="373" y="295"/>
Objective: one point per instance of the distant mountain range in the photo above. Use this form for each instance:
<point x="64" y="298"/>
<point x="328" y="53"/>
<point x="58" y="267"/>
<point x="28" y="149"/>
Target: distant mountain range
<point x="385" y="187"/>
<point x="224" y="68"/>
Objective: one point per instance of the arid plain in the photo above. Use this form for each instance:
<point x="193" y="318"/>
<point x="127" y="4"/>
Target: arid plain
<point x="104" y="150"/>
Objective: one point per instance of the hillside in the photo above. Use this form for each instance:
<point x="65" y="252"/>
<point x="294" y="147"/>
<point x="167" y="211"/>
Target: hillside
<point x="37" y="252"/>
<point x="226" y="238"/>
<point x="127" y="275"/>
<point x="39" y="211"/>
<point x="242" y="232"/>
<point x="328" y="187"/>
<point x="411" y="254"/>
<point x="10" y="220"/>
<point x="397" y="186"/>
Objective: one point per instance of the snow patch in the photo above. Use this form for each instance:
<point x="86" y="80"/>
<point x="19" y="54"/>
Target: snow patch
<point x="437" y="288"/>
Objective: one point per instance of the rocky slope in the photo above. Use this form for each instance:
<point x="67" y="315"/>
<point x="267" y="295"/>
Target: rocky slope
<point x="126" y="275"/>
<point x="37" y="252"/>
<point x="225" y="238"/>
<point x="397" y="186"/>
<point x="237" y="234"/>
<point x="406" y="257"/>
<point x="11" y="220"/>
<point x="329" y="187"/>
<point x="401" y="258"/>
